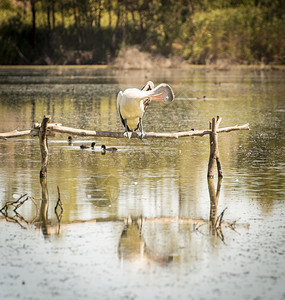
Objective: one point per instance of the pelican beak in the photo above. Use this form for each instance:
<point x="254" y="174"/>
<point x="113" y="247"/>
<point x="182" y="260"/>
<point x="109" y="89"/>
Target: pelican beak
<point x="158" y="97"/>
<point x="166" y="96"/>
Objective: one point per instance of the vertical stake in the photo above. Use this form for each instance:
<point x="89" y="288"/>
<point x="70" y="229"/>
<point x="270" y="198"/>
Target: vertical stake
<point x="214" y="149"/>
<point x="43" y="146"/>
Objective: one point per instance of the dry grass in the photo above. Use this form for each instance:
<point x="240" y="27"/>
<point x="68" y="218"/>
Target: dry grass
<point x="133" y="58"/>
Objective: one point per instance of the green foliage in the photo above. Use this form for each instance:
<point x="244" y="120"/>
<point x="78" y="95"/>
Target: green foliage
<point x="239" y="35"/>
<point x="6" y="5"/>
<point x="93" y="31"/>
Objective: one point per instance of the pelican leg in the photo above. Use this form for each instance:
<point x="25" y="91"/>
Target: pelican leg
<point x="141" y="134"/>
<point x="127" y="133"/>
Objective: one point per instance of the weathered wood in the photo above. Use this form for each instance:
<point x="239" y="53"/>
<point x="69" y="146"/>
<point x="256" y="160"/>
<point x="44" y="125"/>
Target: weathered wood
<point x="69" y="130"/>
<point x="46" y="128"/>
<point x="217" y="153"/>
<point x="14" y="133"/>
<point x="75" y="131"/>
<point x="210" y="173"/>
<point x="214" y="149"/>
<point x="43" y="146"/>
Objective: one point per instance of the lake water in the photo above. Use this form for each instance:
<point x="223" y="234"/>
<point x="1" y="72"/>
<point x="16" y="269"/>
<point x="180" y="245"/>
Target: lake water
<point x="135" y="223"/>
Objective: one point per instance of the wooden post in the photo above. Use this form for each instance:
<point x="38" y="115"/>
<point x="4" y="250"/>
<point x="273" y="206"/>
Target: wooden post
<point x="214" y="149"/>
<point x="43" y="146"/>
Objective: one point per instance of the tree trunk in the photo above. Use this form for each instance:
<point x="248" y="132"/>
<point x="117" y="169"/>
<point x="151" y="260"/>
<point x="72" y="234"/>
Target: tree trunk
<point x="62" y="13"/>
<point x="110" y="13"/>
<point x="33" y="35"/>
<point x="115" y="33"/>
<point x="53" y="13"/>
<point x="99" y="14"/>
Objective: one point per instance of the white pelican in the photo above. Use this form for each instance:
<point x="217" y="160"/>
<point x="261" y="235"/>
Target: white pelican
<point x="132" y="103"/>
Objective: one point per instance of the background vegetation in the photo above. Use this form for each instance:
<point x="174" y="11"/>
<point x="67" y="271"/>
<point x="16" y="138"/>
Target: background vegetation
<point x="94" y="31"/>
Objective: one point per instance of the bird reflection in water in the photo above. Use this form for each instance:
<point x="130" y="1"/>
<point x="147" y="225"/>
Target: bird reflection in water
<point x="132" y="246"/>
<point x="88" y="147"/>
<point x="70" y="140"/>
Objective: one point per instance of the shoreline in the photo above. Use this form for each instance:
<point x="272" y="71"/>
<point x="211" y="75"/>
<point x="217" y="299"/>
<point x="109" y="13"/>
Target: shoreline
<point x="186" y="66"/>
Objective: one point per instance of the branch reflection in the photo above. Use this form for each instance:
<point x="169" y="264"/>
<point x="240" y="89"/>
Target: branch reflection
<point x="40" y="220"/>
<point x="43" y="221"/>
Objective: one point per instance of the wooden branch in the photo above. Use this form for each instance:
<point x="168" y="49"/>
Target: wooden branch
<point x="14" y="133"/>
<point x="69" y="130"/>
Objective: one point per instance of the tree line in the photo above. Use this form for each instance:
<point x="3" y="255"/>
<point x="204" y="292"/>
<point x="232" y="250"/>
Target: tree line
<point x="94" y="31"/>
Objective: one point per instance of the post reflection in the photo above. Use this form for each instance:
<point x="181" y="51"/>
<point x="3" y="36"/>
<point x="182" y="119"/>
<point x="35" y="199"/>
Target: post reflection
<point x="214" y="195"/>
<point x="42" y="221"/>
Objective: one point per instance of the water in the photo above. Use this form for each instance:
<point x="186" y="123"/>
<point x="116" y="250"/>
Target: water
<point x="135" y="222"/>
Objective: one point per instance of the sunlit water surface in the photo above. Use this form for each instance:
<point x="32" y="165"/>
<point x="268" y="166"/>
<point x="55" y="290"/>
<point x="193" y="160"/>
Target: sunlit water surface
<point x="135" y="222"/>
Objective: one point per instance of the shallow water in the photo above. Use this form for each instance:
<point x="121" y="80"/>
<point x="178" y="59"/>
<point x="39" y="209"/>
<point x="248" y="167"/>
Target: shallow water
<point x="135" y="222"/>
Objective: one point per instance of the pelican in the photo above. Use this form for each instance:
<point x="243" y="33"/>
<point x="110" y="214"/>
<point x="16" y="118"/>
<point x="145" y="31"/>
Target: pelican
<point x="132" y="104"/>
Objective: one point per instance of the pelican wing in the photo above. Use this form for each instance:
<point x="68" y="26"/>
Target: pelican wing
<point x="119" y="99"/>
